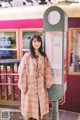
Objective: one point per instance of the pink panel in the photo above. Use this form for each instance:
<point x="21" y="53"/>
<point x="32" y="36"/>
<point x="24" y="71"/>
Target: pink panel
<point x="27" y="23"/>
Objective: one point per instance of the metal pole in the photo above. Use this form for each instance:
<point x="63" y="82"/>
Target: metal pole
<point x="55" y="111"/>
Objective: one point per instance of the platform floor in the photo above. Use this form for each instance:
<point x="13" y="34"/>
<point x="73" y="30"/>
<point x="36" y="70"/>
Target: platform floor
<point x="14" y="114"/>
<point x="67" y="115"/>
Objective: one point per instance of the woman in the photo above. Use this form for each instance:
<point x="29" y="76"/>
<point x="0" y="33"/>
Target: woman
<point x="35" y="78"/>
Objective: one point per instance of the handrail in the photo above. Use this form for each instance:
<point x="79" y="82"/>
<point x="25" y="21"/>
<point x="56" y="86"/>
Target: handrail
<point x="9" y="61"/>
<point x="8" y="84"/>
<point x="9" y="74"/>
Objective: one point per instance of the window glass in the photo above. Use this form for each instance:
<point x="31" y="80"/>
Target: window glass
<point x="8" y="45"/>
<point x="75" y="51"/>
<point x="26" y="35"/>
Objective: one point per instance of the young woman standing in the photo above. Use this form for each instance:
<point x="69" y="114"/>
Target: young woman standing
<point x="35" y="78"/>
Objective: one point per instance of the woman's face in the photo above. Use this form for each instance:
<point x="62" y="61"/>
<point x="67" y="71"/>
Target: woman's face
<point x="36" y="44"/>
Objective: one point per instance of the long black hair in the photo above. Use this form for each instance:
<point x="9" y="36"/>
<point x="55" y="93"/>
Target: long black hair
<point x="33" y="55"/>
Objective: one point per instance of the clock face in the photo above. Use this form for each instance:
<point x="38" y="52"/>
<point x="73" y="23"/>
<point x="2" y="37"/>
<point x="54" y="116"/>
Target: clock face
<point x="54" y="17"/>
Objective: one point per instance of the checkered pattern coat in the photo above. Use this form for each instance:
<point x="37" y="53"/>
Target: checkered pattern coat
<point x="33" y="86"/>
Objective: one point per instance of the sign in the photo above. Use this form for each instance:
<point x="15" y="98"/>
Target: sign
<point x="5" y="115"/>
<point x="54" y="52"/>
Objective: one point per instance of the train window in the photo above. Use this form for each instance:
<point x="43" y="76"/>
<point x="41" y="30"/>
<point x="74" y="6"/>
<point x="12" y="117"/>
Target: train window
<point x="25" y="38"/>
<point x="74" y="51"/>
<point x="8" y="44"/>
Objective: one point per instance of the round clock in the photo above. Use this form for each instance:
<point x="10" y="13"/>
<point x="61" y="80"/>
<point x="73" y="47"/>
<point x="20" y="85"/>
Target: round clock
<point x="54" y="17"/>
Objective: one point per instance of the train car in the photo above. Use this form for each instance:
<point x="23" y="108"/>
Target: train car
<point x="17" y="24"/>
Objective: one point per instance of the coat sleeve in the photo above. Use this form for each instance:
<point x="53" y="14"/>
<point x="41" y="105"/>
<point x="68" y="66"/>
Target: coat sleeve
<point x="22" y="72"/>
<point x="48" y="73"/>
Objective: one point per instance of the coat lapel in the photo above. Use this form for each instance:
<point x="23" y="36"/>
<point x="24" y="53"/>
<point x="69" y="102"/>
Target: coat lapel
<point x="40" y="61"/>
<point x="33" y="60"/>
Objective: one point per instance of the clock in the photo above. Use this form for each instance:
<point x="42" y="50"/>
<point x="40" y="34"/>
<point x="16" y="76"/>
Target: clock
<point x="54" y="17"/>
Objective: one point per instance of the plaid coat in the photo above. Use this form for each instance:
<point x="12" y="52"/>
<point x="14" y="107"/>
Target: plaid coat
<point x="33" y="86"/>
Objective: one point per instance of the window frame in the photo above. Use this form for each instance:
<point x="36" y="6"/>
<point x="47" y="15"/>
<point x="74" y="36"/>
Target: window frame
<point x="70" y="40"/>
